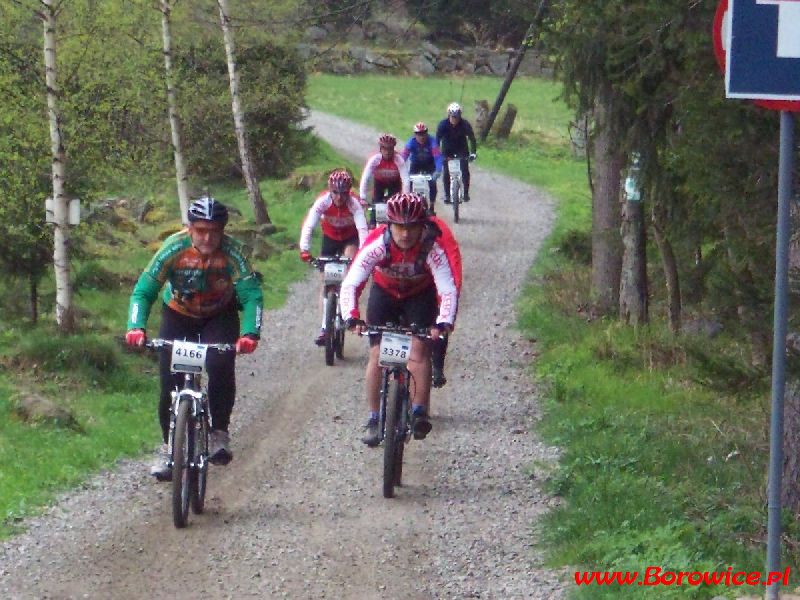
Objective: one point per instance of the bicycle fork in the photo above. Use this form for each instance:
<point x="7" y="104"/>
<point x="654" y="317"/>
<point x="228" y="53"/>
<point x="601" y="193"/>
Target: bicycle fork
<point x="404" y="420"/>
<point x="195" y="399"/>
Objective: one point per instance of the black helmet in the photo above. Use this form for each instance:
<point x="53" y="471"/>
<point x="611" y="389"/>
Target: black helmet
<point x="208" y="209"/>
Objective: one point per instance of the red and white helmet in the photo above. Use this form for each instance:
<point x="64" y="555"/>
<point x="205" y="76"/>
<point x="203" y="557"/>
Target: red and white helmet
<point x="420" y="128"/>
<point x="387" y="140"/>
<point x="340" y="181"/>
<point x="405" y="208"/>
<point x="454" y="109"/>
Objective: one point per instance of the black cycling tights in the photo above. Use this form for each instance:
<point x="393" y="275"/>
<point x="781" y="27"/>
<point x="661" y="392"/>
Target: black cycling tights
<point x="221" y="368"/>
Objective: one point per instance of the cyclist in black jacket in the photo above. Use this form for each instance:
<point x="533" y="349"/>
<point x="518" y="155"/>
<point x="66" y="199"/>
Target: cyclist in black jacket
<point x="455" y="137"/>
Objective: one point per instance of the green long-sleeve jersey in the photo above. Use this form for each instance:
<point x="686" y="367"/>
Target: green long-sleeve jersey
<point x="197" y="285"/>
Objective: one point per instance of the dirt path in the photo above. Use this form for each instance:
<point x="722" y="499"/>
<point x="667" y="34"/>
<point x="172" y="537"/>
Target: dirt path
<point x="299" y="512"/>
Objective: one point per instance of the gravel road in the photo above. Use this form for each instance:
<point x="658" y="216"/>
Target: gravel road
<point x="299" y="512"/>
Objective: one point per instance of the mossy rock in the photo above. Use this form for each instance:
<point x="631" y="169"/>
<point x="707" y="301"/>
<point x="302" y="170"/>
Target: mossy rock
<point x="33" y="409"/>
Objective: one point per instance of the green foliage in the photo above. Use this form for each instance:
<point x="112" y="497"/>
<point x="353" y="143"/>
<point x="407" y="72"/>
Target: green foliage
<point x="663" y="442"/>
<point x="272" y="80"/>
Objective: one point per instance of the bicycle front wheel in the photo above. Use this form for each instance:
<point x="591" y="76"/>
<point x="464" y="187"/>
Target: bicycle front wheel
<point x="455" y="198"/>
<point x="339" y="336"/>
<point x="394" y="438"/>
<point x="182" y="450"/>
<point x="330" y="327"/>
<point x="198" y="476"/>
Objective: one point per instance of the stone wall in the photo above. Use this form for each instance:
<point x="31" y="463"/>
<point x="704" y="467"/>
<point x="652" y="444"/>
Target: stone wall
<point x="425" y="59"/>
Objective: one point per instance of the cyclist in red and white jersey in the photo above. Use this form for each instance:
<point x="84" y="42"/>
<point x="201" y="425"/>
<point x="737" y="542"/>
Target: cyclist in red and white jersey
<point x="388" y="172"/>
<point x="412" y="279"/>
<point x="344" y="226"/>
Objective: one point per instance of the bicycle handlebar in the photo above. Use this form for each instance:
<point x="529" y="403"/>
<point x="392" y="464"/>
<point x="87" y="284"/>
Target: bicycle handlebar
<point x="320" y="261"/>
<point x="156" y="343"/>
<point x="420" y="332"/>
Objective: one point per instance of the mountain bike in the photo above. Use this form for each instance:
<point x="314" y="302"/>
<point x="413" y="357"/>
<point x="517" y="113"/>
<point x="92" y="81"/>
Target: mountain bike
<point x="395" y="418"/>
<point x="188" y="425"/>
<point x="456" y="182"/>
<point x="333" y="269"/>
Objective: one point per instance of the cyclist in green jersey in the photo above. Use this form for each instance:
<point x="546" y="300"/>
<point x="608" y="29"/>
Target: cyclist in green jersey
<point x="207" y="280"/>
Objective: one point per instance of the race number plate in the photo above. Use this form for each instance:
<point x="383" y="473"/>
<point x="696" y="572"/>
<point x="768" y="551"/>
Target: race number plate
<point x="380" y="212"/>
<point x="454" y="166"/>
<point x="395" y="350"/>
<point x="188" y="357"/>
<point x="334" y="272"/>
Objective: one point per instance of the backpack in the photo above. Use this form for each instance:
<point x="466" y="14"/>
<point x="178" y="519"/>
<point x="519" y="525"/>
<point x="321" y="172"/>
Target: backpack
<point x="436" y="230"/>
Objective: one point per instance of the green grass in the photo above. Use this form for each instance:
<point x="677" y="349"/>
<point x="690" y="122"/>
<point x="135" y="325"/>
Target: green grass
<point x="537" y="151"/>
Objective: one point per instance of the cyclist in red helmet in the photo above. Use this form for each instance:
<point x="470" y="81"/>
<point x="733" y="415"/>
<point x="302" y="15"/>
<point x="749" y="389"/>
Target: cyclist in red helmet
<point x="423" y="154"/>
<point x="344" y="226"/>
<point x="412" y="280"/>
<point x="388" y="171"/>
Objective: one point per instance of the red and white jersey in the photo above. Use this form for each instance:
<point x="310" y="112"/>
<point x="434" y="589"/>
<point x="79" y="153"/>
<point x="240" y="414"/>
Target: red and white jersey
<point x="392" y="171"/>
<point x="338" y="222"/>
<point x="398" y="274"/>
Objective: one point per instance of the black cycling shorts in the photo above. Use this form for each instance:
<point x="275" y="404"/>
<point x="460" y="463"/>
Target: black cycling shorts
<point x="331" y="247"/>
<point x="420" y="310"/>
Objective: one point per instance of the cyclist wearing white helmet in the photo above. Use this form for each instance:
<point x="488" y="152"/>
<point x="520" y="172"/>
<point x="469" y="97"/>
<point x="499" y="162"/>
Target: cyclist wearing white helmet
<point x="455" y="137"/>
<point x="423" y="155"/>
<point x="207" y="280"/>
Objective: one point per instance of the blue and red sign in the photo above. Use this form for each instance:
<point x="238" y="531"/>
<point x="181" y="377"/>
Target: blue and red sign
<point x="757" y="43"/>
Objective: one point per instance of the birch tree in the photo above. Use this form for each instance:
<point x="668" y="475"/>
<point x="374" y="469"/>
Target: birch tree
<point x="181" y="176"/>
<point x="65" y="316"/>
<point x="253" y="190"/>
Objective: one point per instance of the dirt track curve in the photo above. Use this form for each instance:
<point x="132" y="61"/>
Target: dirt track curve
<point x="299" y="512"/>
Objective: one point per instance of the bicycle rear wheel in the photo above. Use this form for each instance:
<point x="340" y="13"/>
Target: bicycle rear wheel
<point x="393" y="439"/>
<point x="199" y="473"/>
<point x="330" y="327"/>
<point x="182" y="450"/>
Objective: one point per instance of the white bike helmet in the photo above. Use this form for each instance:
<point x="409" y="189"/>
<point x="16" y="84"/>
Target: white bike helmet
<point x="454" y="109"/>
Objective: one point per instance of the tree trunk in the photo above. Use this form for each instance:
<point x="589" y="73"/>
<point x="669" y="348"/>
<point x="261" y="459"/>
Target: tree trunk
<point x="174" y="119"/>
<point x="65" y="316"/>
<point x="671" y="278"/>
<point x="33" y="298"/>
<point x="481" y="114"/>
<point x="253" y="190"/>
<point x="606" y="243"/>
<point x="512" y="71"/>
<point x="504" y="129"/>
<point x="633" y="274"/>
<point x="790" y="488"/>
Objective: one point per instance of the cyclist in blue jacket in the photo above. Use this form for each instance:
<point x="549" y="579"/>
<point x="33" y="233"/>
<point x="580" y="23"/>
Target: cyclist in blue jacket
<point x="422" y="152"/>
<point x="455" y="137"/>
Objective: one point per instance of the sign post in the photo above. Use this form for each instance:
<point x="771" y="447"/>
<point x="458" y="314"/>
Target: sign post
<point x="757" y="43"/>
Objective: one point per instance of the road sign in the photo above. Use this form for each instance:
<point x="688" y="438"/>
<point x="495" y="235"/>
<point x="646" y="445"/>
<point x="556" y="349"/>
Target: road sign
<point x="770" y="45"/>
